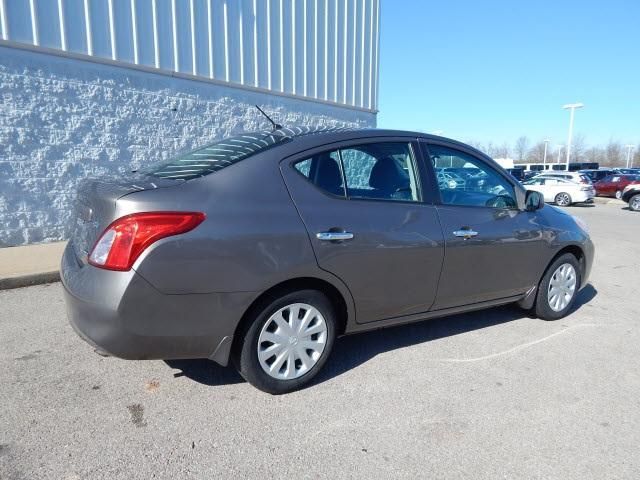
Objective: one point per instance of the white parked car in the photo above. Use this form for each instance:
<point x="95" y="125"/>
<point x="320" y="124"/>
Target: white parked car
<point x="561" y="192"/>
<point x="577" y="177"/>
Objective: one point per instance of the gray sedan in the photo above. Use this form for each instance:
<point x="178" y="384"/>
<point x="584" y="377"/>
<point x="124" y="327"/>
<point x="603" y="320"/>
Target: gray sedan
<point x="260" y="249"/>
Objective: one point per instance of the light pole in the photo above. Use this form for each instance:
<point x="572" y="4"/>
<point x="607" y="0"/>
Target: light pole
<point x="572" y="107"/>
<point x="629" y="159"/>
<point x="544" y="159"/>
<point x="559" y="147"/>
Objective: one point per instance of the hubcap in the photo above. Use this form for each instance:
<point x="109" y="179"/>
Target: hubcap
<point x="562" y="287"/>
<point x="563" y="199"/>
<point x="618" y="194"/>
<point x="635" y="203"/>
<point x="292" y="341"/>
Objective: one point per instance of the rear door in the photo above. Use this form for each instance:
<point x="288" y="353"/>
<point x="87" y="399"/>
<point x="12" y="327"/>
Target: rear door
<point x="370" y="222"/>
<point x="492" y="248"/>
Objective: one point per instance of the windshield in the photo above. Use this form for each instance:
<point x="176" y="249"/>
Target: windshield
<point x="216" y="156"/>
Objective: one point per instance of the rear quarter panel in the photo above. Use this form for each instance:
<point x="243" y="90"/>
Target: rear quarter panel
<point x="251" y="239"/>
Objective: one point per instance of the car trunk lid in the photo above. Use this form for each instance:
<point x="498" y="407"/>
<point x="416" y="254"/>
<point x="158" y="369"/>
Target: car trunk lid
<point x="96" y="206"/>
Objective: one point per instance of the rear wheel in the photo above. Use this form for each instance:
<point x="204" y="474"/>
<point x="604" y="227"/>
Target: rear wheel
<point x="558" y="288"/>
<point x="563" y="199"/>
<point x="618" y="194"/>
<point x="634" y="203"/>
<point x="287" y="342"/>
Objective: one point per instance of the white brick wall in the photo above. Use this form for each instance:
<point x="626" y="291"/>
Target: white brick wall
<point x="63" y="119"/>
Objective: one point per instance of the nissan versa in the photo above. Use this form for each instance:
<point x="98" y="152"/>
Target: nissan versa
<point x="262" y="248"/>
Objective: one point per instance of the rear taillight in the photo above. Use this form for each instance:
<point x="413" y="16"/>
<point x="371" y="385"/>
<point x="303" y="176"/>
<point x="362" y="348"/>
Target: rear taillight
<point x="125" y="239"/>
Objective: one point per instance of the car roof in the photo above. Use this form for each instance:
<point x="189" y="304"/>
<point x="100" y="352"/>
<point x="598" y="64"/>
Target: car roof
<point x="309" y="137"/>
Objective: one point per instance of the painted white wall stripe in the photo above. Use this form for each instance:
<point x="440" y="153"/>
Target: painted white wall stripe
<point x="376" y="46"/>
<point x="371" y="39"/>
<point x="87" y="22"/>
<point x="174" y="31"/>
<point x="112" y="31"/>
<point x="3" y="20"/>
<point x="345" y="44"/>
<point x="134" y="27"/>
<point x="354" y="57"/>
<point x="316" y="74"/>
<point x="241" y="38"/>
<point x="34" y="22"/>
<point x="335" y="53"/>
<point x="225" y="18"/>
<point x="256" y="79"/>
<point x="362" y="51"/>
<point x="281" y="31"/>
<point x="63" y="31"/>
<point x="293" y="46"/>
<point x="192" y="21"/>
<point x="304" y="46"/>
<point x="210" y="38"/>
<point x="326" y="50"/>
<point x="156" y="46"/>
<point x="269" y="44"/>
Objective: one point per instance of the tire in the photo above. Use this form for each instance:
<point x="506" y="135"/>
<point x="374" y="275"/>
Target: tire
<point x="618" y="194"/>
<point x="291" y="365"/>
<point x="563" y="199"/>
<point x="634" y="203"/>
<point x="548" y="307"/>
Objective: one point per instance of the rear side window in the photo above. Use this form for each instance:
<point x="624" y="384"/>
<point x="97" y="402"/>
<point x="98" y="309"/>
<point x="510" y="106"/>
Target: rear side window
<point x="216" y="156"/>
<point x="380" y="171"/>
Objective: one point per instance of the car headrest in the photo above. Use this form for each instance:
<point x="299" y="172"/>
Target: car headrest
<point x="388" y="176"/>
<point x="328" y="176"/>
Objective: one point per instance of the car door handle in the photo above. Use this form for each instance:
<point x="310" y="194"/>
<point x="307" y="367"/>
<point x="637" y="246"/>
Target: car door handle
<point x="333" y="236"/>
<point x="465" y="233"/>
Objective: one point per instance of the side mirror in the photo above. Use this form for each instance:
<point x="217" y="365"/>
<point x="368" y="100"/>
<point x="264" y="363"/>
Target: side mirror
<point x="533" y="201"/>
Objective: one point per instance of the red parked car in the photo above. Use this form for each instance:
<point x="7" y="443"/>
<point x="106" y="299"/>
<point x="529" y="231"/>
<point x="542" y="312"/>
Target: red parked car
<point x="613" y="185"/>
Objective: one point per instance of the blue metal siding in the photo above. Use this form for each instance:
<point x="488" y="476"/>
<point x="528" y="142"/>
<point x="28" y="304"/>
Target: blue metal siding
<point x="319" y="49"/>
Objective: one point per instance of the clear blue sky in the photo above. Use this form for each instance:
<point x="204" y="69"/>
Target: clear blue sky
<point x="495" y="70"/>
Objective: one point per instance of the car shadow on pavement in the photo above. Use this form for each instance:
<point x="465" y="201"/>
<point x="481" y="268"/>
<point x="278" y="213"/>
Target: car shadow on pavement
<point x="205" y="371"/>
<point x="353" y="350"/>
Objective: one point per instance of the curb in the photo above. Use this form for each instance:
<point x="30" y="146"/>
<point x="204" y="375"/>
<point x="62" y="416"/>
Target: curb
<point x="29" y="280"/>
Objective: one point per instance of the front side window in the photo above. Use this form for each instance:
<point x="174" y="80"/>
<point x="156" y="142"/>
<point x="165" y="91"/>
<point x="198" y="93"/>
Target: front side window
<point x="467" y="181"/>
<point x="380" y="171"/>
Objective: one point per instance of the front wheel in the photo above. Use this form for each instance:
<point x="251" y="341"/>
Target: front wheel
<point x="618" y="194"/>
<point x="634" y="203"/>
<point x="287" y="342"/>
<point x="558" y="288"/>
<point x="563" y="199"/>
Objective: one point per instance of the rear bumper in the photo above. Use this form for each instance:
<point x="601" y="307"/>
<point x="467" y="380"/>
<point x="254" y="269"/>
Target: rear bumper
<point x="121" y="314"/>
<point x="584" y="197"/>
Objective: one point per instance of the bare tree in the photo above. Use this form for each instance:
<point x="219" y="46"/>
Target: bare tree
<point x="521" y="148"/>
<point x="536" y="153"/>
<point x="595" y="154"/>
<point x="501" y="151"/>
<point x="614" y="155"/>
<point x="578" y="148"/>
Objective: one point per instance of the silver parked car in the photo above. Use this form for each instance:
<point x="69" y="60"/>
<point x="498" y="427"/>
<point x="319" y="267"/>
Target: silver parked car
<point x="263" y="248"/>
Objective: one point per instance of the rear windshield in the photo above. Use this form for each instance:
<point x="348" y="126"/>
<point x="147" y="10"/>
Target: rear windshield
<point x="216" y="156"/>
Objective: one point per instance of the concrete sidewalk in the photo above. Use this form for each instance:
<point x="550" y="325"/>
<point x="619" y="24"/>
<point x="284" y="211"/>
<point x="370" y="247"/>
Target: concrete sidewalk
<point x="30" y="265"/>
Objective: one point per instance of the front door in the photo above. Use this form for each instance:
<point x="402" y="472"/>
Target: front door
<point x="369" y="224"/>
<point x="492" y="248"/>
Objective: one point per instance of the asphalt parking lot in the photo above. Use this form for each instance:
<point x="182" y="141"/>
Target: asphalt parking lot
<point x="493" y="394"/>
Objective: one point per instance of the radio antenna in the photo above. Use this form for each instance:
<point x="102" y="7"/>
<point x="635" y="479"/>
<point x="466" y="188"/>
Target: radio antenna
<point x="276" y="126"/>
